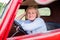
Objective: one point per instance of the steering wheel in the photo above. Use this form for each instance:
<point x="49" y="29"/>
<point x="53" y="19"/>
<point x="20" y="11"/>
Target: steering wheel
<point x="18" y="28"/>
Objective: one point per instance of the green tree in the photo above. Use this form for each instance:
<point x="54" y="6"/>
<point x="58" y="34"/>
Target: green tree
<point x="2" y="5"/>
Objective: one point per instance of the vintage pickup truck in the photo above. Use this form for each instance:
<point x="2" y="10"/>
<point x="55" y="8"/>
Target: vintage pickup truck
<point x="7" y="23"/>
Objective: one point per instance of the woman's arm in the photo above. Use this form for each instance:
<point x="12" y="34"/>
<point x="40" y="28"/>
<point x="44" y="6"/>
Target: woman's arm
<point x="38" y="22"/>
<point x="21" y="16"/>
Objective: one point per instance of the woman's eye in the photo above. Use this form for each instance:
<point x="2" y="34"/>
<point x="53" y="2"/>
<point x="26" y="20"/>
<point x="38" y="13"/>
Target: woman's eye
<point x="33" y="13"/>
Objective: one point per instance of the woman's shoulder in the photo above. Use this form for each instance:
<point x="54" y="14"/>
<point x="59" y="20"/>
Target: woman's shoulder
<point x="38" y="19"/>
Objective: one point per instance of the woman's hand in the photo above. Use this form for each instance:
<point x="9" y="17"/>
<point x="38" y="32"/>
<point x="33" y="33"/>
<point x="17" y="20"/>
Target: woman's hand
<point x="17" y="28"/>
<point x="21" y="16"/>
<point x="24" y="13"/>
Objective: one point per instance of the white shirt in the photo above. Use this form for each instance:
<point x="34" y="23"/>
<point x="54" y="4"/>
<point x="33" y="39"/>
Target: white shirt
<point x="37" y="26"/>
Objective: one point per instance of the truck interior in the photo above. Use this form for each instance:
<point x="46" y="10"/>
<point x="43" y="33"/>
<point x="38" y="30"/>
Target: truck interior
<point x="49" y="12"/>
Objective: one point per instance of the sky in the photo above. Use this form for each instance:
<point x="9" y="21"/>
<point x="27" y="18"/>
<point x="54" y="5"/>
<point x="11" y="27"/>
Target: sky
<point x="4" y="1"/>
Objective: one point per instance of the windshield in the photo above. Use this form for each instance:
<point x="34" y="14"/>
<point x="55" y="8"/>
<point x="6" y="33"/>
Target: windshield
<point x="3" y="5"/>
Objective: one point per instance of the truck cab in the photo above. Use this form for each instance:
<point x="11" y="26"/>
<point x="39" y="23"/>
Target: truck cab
<point x="11" y="9"/>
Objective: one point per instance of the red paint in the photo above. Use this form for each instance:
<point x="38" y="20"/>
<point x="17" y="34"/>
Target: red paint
<point x="9" y="18"/>
<point x="38" y="36"/>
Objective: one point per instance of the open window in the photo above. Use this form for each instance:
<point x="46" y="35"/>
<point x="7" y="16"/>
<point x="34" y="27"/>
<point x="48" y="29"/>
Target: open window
<point x="44" y="11"/>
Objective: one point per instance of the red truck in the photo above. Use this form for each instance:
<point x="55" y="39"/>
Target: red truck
<point x="8" y="19"/>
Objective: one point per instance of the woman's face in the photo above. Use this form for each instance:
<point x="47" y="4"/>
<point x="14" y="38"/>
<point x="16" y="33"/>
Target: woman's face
<point x="31" y="14"/>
